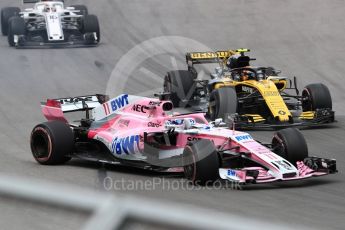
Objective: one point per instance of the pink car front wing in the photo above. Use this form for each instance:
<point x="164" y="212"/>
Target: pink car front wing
<point x="259" y="175"/>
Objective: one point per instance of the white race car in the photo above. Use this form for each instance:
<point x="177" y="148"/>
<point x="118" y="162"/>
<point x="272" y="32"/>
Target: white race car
<point x="50" y="23"/>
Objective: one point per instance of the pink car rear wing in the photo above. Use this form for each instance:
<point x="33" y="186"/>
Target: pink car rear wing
<point x="54" y="109"/>
<point x="98" y="107"/>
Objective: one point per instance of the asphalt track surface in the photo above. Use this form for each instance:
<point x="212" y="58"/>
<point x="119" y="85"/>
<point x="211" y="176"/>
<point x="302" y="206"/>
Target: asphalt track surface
<point x="302" y="38"/>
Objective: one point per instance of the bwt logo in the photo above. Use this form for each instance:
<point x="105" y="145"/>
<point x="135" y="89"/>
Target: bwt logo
<point x="231" y="172"/>
<point x="119" y="102"/>
<point x="127" y="145"/>
<point x="244" y="138"/>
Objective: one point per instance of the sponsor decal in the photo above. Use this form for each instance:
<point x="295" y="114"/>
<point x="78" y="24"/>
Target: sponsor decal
<point x="192" y="121"/>
<point x="126" y="145"/>
<point x="124" y="122"/>
<point x="53" y="17"/>
<point x="281" y="112"/>
<point x="153" y="124"/>
<point x="158" y="103"/>
<point x="193" y="138"/>
<point x="231" y="172"/>
<point x="202" y="55"/>
<point x="112" y="130"/>
<point x="175" y="122"/>
<point x="140" y="108"/>
<point x="247" y="89"/>
<point x="244" y="138"/>
<point x="264" y="150"/>
<point x="119" y="102"/>
<point x="271" y="156"/>
<point x="179" y="122"/>
<point x="106" y="108"/>
<point x="74" y="100"/>
<point x="283" y="164"/>
<point x="206" y="128"/>
<point x="270" y="93"/>
<point x="115" y="104"/>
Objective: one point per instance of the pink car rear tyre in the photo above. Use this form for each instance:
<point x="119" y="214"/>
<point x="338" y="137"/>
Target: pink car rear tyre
<point x="52" y="143"/>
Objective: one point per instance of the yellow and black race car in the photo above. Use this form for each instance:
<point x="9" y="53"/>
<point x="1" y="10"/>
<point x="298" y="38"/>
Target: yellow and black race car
<point x="257" y="96"/>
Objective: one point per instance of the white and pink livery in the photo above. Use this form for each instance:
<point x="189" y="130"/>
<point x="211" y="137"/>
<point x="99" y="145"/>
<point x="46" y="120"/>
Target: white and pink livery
<point x="144" y="132"/>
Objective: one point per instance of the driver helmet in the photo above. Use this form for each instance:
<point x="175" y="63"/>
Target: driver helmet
<point x="260" y="76"/>
<point x="48" y="8"/>
<point x="236" y="77"/>
<point x="244" y="76"/>
<point x="238" y="61"/>
<point x="232" y="61"/>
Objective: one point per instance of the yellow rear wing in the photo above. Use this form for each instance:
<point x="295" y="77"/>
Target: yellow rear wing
<point x="211" y="57"/>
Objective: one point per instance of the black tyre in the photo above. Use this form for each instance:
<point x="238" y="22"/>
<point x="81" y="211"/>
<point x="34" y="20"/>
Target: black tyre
<point x="290" y="144"/>
<point x="316" y="96"/>
<point x="52" y="143"/>
<point x="83" y="9"/>
<point x="6" y="14"/>
<point x="181" y="85"/>
<point x="91" y="25"/>
<point x="223" y="102"/>
<point x="16" y="26"/>
<point x="201" y="162"/>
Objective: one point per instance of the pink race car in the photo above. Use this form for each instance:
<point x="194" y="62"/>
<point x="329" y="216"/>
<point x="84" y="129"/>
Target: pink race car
<point x="144" y="132"/>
